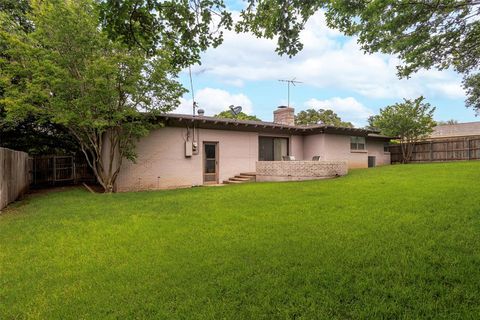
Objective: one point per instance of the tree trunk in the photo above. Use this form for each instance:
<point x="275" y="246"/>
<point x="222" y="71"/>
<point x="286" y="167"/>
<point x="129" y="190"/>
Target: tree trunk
<point x="407" y="146"/>
<point x="109" y="186"/>
<point x="103" y="156"/>
<point x="404" y="147"/>
<point x="407" y="150"/>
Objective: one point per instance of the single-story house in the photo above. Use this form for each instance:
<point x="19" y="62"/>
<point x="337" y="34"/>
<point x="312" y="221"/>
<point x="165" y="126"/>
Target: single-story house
<point x="196" y="150"/>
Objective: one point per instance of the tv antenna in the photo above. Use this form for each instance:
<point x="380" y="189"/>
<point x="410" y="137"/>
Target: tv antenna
<point x="194" y="104"/>
<point x="289" y="82"/>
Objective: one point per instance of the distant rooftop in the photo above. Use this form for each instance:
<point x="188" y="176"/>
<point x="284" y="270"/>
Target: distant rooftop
<point x="456" y="130"/>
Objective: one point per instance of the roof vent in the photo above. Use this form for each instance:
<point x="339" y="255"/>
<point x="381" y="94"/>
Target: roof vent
<point x="201" y="112"/>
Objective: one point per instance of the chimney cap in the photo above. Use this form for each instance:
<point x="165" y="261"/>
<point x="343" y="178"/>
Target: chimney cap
<point x="282" y="107"/>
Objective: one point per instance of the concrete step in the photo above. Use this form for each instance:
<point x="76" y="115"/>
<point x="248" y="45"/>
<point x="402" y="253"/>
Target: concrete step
<point x="252" y="177"/>
<point x="245" y="177"/>
<point x="240" y="178"/>
<point x="232" y="182"/>
<point x="250" y="174"/>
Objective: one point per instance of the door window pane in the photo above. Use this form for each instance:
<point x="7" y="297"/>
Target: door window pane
<point x="210" y="151"/>
<point x="210" y="166"/>
<point x="209" y="178"/>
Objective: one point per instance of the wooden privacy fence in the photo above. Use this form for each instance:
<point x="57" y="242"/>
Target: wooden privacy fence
<point x="450" y="149"/>
<point x="14" y="180"/>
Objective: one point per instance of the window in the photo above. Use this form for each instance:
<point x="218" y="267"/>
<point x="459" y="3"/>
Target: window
<point x="386" y="147"/>
<point x="272" y="149"/>
<point x="357" y="143"/>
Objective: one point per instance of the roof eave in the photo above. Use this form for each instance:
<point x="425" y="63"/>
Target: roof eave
<point x="263" y="125"/>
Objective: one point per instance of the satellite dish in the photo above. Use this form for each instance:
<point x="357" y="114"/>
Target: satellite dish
<point x="235" y="110"/>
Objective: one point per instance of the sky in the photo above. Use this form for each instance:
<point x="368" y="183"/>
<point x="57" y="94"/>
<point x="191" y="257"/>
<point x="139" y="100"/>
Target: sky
<point x="335" y="74"/>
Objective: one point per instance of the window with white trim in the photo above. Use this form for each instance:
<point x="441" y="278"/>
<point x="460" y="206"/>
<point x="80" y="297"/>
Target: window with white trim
<point x="357" y="143"/>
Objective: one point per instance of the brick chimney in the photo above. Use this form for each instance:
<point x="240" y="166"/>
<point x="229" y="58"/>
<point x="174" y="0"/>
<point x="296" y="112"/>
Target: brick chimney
<point x="284" y="115"/>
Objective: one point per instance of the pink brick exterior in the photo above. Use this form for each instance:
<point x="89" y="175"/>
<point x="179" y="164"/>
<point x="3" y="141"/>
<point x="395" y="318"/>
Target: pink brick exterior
<point x="376" y="149"/>
<point x="337" y="147"/>
<point x="161" y="162"/>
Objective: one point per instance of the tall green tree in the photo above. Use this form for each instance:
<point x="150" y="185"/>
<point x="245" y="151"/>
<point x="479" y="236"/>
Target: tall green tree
<point x="370" y="124"/>
<point x="17" y="10"/>
<point x="325" y="116"/>
<point x="34" y="134"/>
<point x="183" y="27"/>
<point x="241" y="116"/>
<point x="37" y="137"/>
<point x="410" y="121"/>
<point x="105" y="92"/>
<point x="424" y="34"/>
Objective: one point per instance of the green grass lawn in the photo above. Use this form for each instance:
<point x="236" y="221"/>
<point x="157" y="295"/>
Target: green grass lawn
<point x="399" y="242"/>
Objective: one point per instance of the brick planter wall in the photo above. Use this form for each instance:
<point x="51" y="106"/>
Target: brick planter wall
<point x="299" y="170"/>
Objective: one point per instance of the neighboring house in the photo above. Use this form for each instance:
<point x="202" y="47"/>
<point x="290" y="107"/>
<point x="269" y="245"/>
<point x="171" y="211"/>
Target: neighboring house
<point x="459" y="130"/>
<point x="197" y="150"/>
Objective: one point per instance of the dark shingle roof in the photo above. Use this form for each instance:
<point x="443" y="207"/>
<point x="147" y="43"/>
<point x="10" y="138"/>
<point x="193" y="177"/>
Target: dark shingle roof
<point x="456" y="130"/>
<point x="173" y="119"/>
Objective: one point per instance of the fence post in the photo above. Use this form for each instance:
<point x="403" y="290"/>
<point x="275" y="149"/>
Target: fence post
<point x="431" y="151"/>
<point x="74" y="168"/>
<point x="34" y="170"/>
<point x="468" y="148"/>
<point x="54" y="169"/>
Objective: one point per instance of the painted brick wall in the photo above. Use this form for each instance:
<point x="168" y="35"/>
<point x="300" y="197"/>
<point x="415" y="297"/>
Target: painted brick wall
<point x="302" y="168"/>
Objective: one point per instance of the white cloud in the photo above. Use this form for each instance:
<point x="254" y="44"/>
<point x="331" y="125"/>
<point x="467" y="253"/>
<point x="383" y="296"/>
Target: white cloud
<point x="329" y="61"/>
<point x="349" y="109"/>
<point x="235" y="82"/>
<point x="214" y="101"/>
<point x="451" y="90"/>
